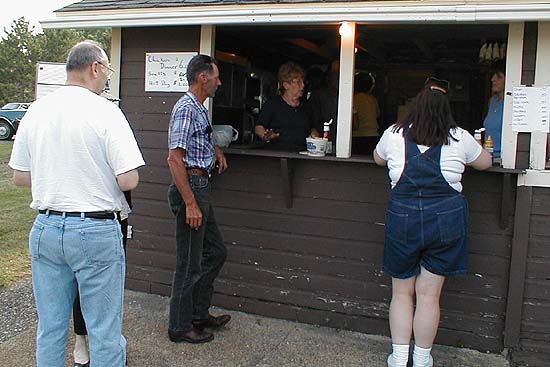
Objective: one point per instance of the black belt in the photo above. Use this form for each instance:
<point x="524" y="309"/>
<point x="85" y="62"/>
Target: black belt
<point x="93" y="215"/>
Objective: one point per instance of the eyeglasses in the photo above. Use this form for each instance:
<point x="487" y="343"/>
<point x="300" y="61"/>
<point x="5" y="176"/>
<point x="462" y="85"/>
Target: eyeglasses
<point x="297" y="81"/>
<point x="440" y="83"/>
<point x="108" y="67"/>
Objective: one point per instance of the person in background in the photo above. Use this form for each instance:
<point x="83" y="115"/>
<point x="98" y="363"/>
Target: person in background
<point x="365" y="115"/>
<point x="427" y="216"/>
<point x="315" y="80"/>
<point x="81" y="353"/>
<point x="77" y="165"/>
<point x="322" y="105"/>
<point x="493" y="120"/>
<point x="283" y="122"/>
<point x="200" y="251"/>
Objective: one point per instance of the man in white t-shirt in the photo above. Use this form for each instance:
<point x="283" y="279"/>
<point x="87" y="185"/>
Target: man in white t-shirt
<point x="77" y="152"/>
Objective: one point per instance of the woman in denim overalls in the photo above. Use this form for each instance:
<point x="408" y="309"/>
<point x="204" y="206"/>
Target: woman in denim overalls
<point x="427" y="216"/>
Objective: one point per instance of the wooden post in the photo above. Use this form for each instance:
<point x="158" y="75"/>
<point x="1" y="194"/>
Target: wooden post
<point x="538" y="149"/>
<point x="514" y="58"/>
<point x="208" y="47"/>
<point x="345" y="90"/>
<point x="518" y="266"/>
<point x="115" y="59"/>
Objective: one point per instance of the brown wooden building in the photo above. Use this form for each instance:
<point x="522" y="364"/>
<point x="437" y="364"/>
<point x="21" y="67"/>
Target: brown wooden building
<point x="305" y="235"/>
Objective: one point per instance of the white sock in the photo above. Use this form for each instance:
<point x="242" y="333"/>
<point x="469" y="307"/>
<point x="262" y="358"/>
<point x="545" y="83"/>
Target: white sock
<point x="399" y="356"/>
<point x="81" y="353"/>
<point x="421" y="357"/>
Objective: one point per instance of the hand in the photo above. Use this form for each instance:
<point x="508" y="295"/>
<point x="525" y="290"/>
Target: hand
<point x="270" y="135"/>
<point x="220" y="159"/>
<point x="193" y="215"/>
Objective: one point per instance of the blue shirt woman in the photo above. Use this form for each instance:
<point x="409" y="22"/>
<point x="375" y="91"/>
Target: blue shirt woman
<point x="493" y="123"/>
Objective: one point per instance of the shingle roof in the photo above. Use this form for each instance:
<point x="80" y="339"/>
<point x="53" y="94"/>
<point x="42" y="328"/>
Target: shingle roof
<point x="143" y="4"/>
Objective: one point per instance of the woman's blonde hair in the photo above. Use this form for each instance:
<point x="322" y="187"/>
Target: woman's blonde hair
<point x="287" y="71"/>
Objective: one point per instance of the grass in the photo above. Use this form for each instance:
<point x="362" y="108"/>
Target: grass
<point x="16" y="219"/>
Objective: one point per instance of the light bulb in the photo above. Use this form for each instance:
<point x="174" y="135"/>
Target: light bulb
<point x="345" y="30"/>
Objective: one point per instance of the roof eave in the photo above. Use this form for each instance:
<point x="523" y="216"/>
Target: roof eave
<point x="387" y="12"/>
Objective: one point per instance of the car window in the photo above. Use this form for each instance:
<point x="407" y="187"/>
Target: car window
<point x="11" y="106"/>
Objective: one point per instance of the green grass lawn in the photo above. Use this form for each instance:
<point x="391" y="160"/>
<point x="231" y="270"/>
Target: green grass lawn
<point x="15" y="223"/>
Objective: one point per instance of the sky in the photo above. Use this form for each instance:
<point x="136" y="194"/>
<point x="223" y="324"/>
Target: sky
<point x="32" y="10"/>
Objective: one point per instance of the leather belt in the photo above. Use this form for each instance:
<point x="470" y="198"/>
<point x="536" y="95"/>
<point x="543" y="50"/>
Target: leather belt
<point x="92" y="215"/>
<point x="197" y="172"/>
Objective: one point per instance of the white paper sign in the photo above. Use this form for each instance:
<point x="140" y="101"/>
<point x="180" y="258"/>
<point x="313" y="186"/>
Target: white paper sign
<point x="531" y="109"/>
<point x="166" y="72"/>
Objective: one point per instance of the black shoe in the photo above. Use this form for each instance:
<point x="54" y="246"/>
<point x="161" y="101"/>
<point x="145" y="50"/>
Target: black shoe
<point x="87" y="364"/>
<point x="212" y="322"/>
<point x="194" y="336"/>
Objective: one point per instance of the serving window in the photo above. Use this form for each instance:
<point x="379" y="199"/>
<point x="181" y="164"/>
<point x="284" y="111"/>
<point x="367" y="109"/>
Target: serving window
<point x="398" y="58"/>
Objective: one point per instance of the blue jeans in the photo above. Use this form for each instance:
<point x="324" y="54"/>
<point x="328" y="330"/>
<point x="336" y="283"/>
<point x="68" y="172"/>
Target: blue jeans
<point x="200" y="255"/>
<point x="71" y="252"/>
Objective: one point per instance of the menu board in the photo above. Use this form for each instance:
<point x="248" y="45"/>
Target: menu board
<point x="166" y="72"/>
<point x="531" y="109"/>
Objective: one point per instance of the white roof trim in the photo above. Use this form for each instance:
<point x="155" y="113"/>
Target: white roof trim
<point x="387" y="12"/>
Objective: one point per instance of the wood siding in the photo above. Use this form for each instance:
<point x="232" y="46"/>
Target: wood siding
<point x="534" y="341"/>
<point x="151" y="254"/>
<point x="319" y="261"/>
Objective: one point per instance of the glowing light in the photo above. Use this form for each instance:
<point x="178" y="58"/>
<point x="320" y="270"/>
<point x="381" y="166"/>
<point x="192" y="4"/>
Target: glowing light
<point x="346" y="30"/>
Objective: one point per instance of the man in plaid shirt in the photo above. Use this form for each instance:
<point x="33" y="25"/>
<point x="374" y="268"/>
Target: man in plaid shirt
<point x="200" y="249"/>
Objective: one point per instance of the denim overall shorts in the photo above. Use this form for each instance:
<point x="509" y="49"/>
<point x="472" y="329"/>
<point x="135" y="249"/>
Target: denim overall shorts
<point x="427" y="220"/>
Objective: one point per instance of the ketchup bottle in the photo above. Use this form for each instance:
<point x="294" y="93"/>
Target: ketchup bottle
<point x="326" y="135"/>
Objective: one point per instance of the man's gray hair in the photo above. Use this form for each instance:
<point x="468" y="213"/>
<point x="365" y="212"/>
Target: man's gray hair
<point x="84" y="54"/>
<point x="199" y="64"/>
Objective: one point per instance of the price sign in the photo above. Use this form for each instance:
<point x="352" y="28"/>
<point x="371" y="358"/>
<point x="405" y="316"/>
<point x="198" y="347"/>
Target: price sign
<point x="166" y="72"/>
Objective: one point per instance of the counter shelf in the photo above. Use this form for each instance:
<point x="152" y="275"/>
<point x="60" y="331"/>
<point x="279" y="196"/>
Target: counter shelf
<point x="286" y="169"/>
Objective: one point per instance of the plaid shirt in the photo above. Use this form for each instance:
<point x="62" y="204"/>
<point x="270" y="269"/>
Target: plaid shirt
<point x="190" y="130"/>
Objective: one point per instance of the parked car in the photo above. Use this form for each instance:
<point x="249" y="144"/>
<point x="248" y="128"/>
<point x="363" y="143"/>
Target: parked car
<point x="10" y="115"/>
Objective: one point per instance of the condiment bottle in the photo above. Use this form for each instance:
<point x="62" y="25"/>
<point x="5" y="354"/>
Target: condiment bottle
<point x="489" y="146"/>
<point x="326" y="135"/>
<point x="477" y="136"/>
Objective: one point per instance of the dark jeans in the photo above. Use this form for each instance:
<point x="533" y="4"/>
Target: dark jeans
<point x="78" y="318"/>
<point x="200" y="255"/>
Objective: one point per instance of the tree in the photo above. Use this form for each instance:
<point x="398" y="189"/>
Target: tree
<point x="17" y="60"/>
<point x="21" y="50"/>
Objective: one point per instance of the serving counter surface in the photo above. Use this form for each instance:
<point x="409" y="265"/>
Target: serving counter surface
<point x="259" y="151"/>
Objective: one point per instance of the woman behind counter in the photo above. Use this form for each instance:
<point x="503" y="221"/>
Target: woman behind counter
<point x="365" y="115"/>
<point x="283" y="122"/>
<point x="427" y="216"/>
<point x="493" y="120"/>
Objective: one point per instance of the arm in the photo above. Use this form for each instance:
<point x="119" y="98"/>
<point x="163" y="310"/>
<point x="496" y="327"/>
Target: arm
<point x="128" y="180"/>
<point x="265" y="134"/>
<point x="379" y="160"/>
<point x="22" y="178"/>
<point x="220" y="158"/>
<point x="484" y="161"/>
<point x="193" y="214"/>
<point x="265" y="119"/>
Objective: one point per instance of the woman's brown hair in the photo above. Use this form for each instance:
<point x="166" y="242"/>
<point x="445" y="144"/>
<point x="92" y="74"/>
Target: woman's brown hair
<point x="430" y="119"/>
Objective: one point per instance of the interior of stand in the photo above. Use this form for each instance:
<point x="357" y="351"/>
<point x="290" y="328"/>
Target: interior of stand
<point x="399" y="57"/>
